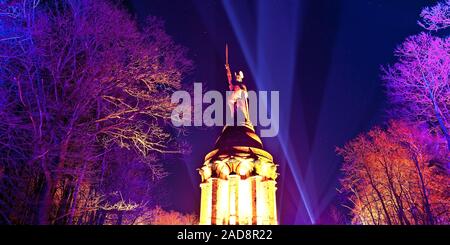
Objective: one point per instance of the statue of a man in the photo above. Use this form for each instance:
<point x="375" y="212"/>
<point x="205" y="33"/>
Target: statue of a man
<point x="237" y="101"/>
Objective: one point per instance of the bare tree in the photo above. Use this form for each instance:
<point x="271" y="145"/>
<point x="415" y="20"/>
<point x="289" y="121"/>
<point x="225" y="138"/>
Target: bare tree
<point x="418" y="84"/>
<point x="80" y="82"/>
<point x="390" y="178"/>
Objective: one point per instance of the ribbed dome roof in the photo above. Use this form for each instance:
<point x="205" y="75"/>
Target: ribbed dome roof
<point x="238" y="136"/>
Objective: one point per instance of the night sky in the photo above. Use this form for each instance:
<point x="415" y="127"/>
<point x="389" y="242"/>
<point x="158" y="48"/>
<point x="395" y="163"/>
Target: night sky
<point x="323" y="56"/>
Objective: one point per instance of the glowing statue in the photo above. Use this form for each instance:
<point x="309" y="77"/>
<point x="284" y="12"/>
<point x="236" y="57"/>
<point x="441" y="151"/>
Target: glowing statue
<point x="237" y="100"/>
<point x="238" y="176"/>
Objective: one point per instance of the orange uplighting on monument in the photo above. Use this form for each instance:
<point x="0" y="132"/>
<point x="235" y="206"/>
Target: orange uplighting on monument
<point x="238" y="177"/>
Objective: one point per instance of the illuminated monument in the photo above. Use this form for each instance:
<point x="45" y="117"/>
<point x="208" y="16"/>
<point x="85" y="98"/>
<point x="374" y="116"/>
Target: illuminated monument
<point x="238" y="176"/>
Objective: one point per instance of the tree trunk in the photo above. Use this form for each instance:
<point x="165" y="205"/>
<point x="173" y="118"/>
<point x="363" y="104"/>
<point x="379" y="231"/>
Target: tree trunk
<point x="388" y="218"/>
<point x="400" y="210"/>
<point x="119" y="217"/>
<point x="437" y="112"/>
<point x="424" y="191"/>
<point x="443" y="128"/>
<point x="45" y="199"/>
<point x="75" y="195"/>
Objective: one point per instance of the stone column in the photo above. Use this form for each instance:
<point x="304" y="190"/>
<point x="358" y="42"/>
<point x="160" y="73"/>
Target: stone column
<point x="206" y="203"/>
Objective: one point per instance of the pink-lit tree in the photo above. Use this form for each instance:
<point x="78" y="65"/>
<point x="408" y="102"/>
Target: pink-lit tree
<point x="85" y="95"/>
<point x="396" y="175"/>
<point x="418" y="83"/>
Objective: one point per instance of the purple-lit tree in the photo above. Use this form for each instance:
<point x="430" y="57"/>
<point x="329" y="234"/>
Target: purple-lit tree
<point x="418" y="84"/>
<point x="436" y="17"/>
<point x="85" y="95"/>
